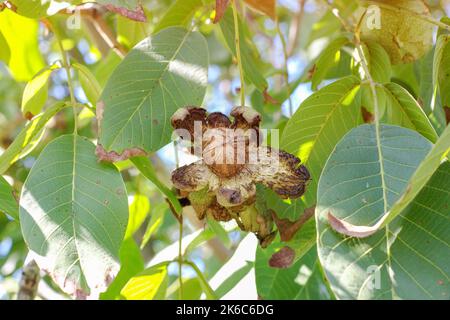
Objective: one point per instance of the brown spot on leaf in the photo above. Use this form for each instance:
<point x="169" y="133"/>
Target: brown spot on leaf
<point x="155" y="122"/>
<point x="268" y="7"/>
<point x="137" y="14"/>
<point x="367" y="116"/>
<point x="283" y="258"/>
<point x="420" y="102"/>
<point x="268" y="98"/>
<point x="113" y="156"/>
<point x="312" y="71"/>
<point x="221" y="7"/>
<point x="287" y="228"/>
<point x="29" y="115"/>
<point x="447" y="114"/>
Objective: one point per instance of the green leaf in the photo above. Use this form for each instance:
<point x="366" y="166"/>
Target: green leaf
<point x="405" y="261"/>
<point x="441" y="68"/>
<point x="366" y="174"/>
<point x="324" y="27"/>
<point x="28" y="137"/>
<point x="421" y="176"/>
<point x="363" y="178"/>
<point x="251" y="61"/>
<point x="130" y="32"/>
<point x="427" y="87"/>
<point x="320" y="122"/>
<point x="36" y="92"/>
<point x="202" y="237"/>
<point x="5" y="53"/>
<point x="302" y="281"/>
<point x="156" y="220"/>
<point x="36" y="9"/>
<point x="88" y="82"/>
<point x="378" y="62"/>
<point x="25" y="60"/>
<point x="131" y="263"/>
<point x="161" y="74"/>
<point x="233" y="280"/>
<point x="73" y="214"/>
<point x="219" y="231"/>
<point x="405" y="75"/>
<point x="151" y="284"/>
<point x="144" y="165"/>
<point x="180" y="13"/>
<point x="285" y="209"/>
<point x="8" y="203"/>
<point x="403" y="110"/>
<point x="329" y="57"/>
<point x="192" y="289"/>
<point x="209" y="292"/>
<point x="367" y="101"/>
<point x="139" y="209"/>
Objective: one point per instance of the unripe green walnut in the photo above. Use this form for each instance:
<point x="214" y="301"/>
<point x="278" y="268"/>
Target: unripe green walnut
<point x="404" y="36"/>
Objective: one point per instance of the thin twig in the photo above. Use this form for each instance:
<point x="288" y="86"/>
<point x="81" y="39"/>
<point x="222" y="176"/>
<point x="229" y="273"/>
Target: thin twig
<point x="180" y="239"/>
<point x="335" y="12"/>
<point x="286" y="70"/>
<point x="94" y="13"/>
<point x="180" y="259"/>
<point x="294" y="32"/>
<point x="238" y="51"/>
<point x="210" y="292"/>
<point x="66" y="65"/>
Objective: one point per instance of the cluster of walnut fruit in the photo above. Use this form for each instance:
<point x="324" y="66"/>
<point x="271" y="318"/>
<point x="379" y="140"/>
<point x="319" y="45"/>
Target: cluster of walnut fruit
<point x="222" y="185"/>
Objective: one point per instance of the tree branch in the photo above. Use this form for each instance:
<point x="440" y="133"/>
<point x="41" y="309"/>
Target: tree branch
<point x="93" y="13"/>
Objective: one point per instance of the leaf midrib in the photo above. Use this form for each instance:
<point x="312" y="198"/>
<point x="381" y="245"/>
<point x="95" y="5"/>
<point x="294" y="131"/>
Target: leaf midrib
<point x="334" y="107"/>
<point x="157" y="81"/>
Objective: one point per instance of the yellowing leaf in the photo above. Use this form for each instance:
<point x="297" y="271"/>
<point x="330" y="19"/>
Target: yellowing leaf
<point x="21" y="34"/>
<point x="148" y="285"/>
<point x="8" y="203"/>
<point x="28" y="137"/>
<point x="36" y="93"/>
<point x="88" y="82"/>
<point x="267" y="7"/>
<point x="138" y="212"/>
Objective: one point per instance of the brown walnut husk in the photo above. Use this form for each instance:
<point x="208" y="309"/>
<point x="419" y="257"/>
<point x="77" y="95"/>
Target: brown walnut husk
<point x="403" y="35"/>
<point x="227" y="190"/>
